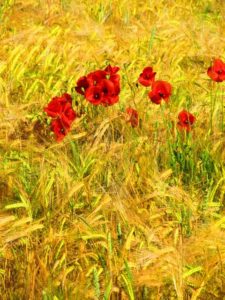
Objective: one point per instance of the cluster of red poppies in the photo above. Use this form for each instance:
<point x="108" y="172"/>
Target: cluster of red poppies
<point x="98" y="87"/>
<point x="61" y="111"/>
<point x="160" y="90"/>
<point x="101" y="86"/>
<point x="217" y="73"/>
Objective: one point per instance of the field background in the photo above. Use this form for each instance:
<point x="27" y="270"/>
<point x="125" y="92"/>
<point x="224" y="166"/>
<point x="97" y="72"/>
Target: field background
<point x="112" y="212"/>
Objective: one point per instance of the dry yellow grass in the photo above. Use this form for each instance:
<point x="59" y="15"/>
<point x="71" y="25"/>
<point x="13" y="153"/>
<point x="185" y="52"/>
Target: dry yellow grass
<point x="109" y="213"/>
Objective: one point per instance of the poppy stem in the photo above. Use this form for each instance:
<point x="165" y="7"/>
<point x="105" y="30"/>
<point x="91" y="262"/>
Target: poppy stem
<point x="211" y="102"/>
<point x="222" y="112"/>
<point x="167" y="127"/>
<point x="214" y="95"/>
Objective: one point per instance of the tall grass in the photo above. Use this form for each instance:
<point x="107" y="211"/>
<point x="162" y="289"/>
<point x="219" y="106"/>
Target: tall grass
<point x="112" y="212"/>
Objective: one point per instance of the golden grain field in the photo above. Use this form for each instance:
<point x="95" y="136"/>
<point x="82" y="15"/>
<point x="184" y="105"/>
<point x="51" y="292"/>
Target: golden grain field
<point x="111" y="212"/>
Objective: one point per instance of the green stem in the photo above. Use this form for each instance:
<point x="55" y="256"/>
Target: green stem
<point x="222" y="112"/>
<point x="211" y="106"/>
<point x="168" y="131"/>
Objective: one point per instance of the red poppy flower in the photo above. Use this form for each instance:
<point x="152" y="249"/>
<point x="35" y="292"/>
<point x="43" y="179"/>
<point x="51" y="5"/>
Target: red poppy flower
<point x="82" y="85"/>
<point x="111" y="70"/>
<point x="57" y="105"/>
<point x="110" y="95"/>
<point x="60" y="108"/>
<point x="96" y="77"/>
<point x="94" y="95"/>
<point x="115" y="78"/>
<point x="61" y="125"/>
<point x="59" y="129"/>
<point x="133" y="114"/>
<point x="186" y="120"/>
<point x="67" y="97"/>
<point x="103" y="93"/>
<point x="147" y="77"/>
<point x="160" y="90"/>
<point x="110" y="100"/>
<point x="68" y="115"/>
<point x="217" y="71"/>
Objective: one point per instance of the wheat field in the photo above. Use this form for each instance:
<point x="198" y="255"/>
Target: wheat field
<point x="112" y="212"/>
